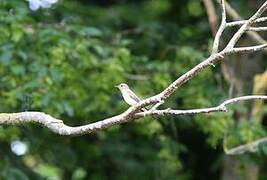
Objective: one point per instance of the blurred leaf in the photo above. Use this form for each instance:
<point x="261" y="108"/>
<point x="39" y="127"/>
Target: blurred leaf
<point x="15" y="174"/>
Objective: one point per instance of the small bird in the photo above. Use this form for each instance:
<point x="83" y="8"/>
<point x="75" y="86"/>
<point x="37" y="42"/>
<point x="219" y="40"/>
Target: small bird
<point x="128" y="95"/>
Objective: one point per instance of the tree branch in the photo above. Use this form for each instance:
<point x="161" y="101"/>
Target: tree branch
<point x="246" y="26"/>
<point x="249" y="147"/>
<point x="234" y="15"/>
<point x="257" y="29"/>
<point x="218" y="35"/>
<point x="220" y="108"/>
<point x="239" y="23"/>
<point x="57" y="126"/>
<point x="250" y="48"/>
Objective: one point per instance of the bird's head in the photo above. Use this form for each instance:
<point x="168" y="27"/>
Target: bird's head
<point x="122" y="86"/>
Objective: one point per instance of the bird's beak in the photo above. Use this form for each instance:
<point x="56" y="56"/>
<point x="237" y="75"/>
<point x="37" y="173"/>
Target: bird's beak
<point x="116" y="86"/>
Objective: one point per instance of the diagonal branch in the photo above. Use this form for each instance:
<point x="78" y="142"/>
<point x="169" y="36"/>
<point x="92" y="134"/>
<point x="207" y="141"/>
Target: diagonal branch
<point x="245" y="27"/>
<point x="233" y="13"/>
<point x="212" y="59"/>
<point x="249" y="147"/>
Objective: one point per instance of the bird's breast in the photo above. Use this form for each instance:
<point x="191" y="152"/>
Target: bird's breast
<point x="128" y="99"/>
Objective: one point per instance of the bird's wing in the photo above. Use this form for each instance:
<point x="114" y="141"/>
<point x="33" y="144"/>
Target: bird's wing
<point x="133" y="96"/>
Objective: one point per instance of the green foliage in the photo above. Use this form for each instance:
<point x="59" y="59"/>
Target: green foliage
<point x="245" y="132"/>
<point x="216" y="125"/>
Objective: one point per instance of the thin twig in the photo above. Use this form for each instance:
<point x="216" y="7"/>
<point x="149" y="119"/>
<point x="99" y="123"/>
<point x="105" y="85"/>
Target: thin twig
<point x="257" y="29"/>
<point x="249" y="49"/>
<point x="234" y="15"/>
<point x="241" y="22"/>
<point x="245" y="27"/>
<point x="218" y="35"/>
<point x="220" y="108"/>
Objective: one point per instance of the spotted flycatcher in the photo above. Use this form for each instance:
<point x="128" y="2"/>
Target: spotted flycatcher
<point x="128" y="95"/>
